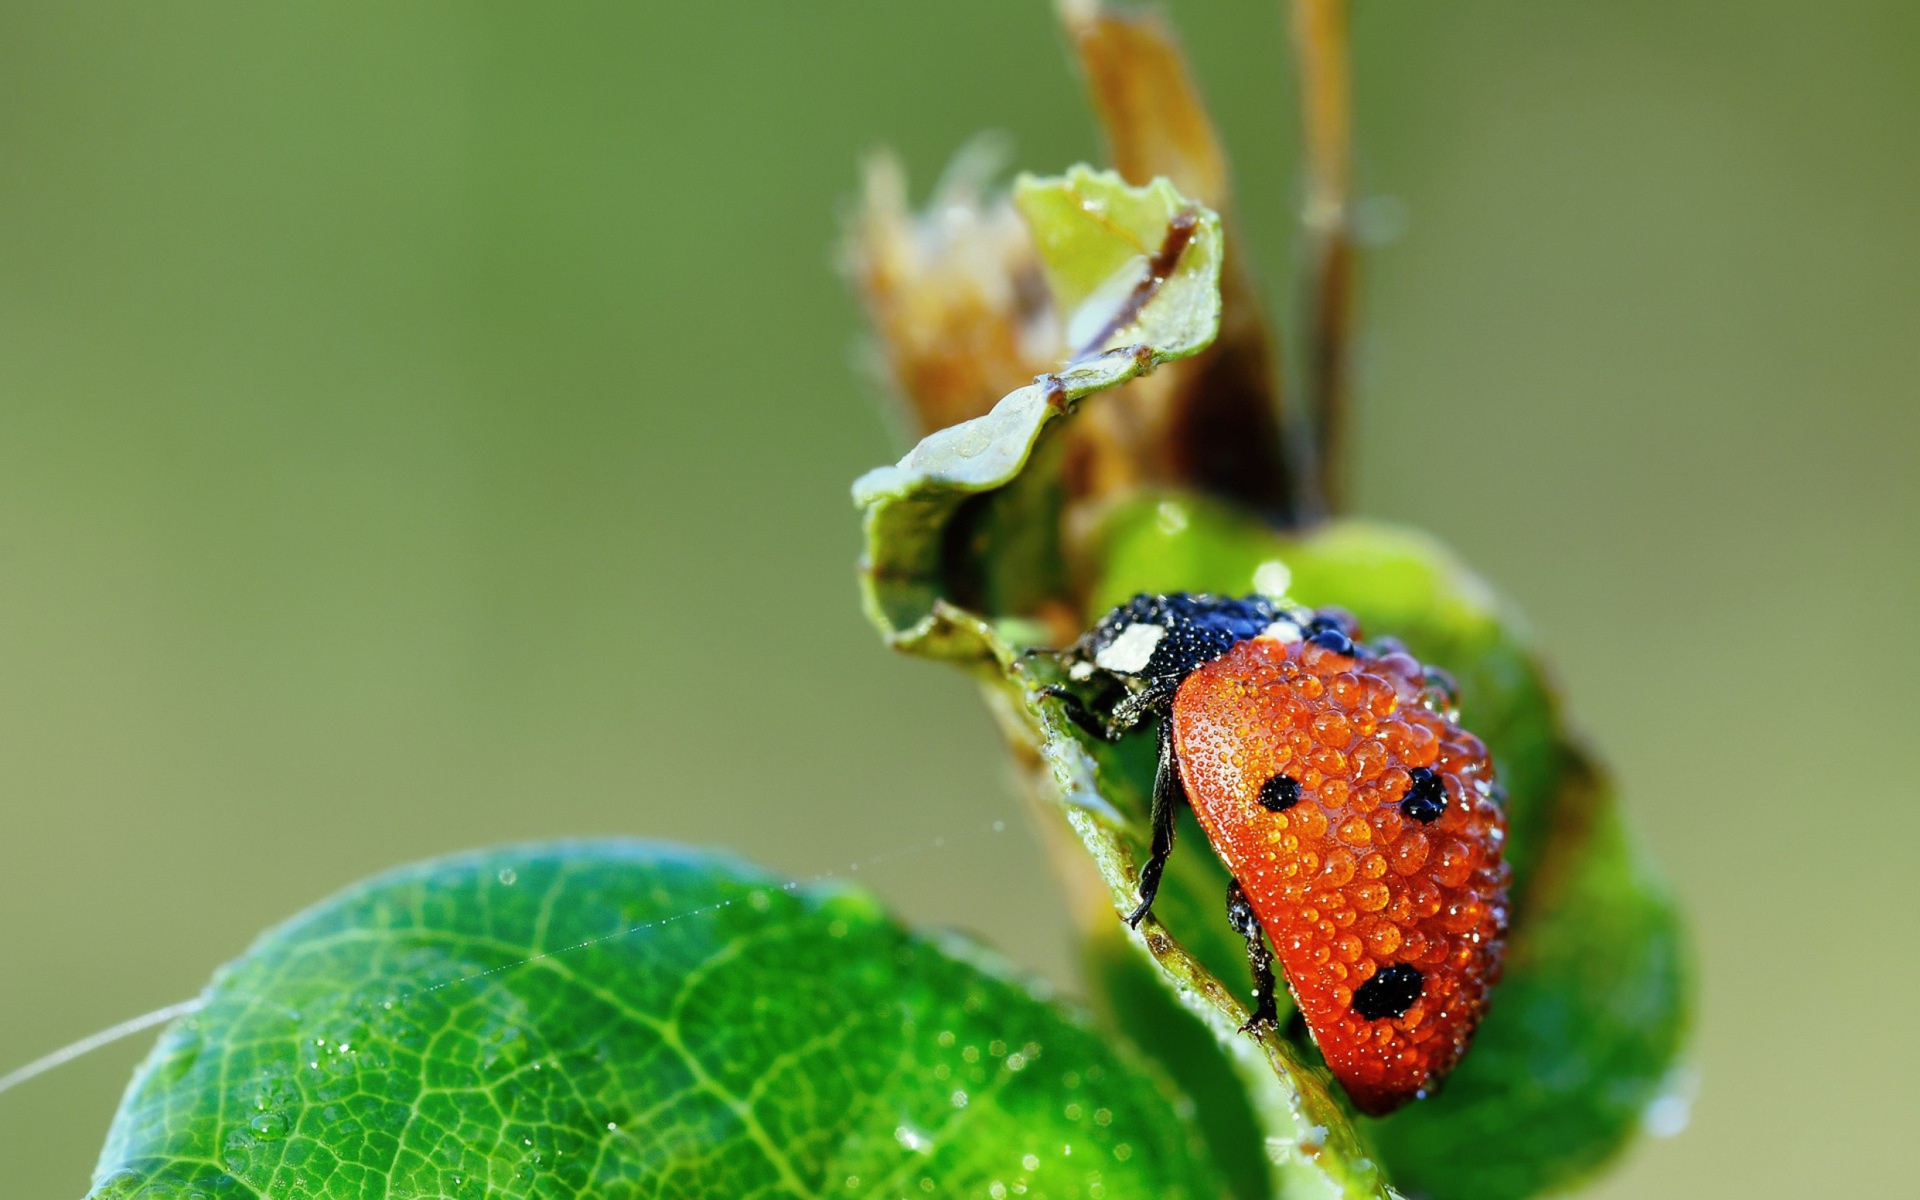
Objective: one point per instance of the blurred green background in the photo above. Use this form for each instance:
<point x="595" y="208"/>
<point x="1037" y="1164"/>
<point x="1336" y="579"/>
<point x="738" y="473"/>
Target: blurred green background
<point x="430" y="425"/>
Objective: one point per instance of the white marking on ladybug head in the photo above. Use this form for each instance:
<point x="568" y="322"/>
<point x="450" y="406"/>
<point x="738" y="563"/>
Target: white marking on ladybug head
<point x="1128" y="653"/>
<point x="1081" y="670"/>
<point x="1282" y="631"/>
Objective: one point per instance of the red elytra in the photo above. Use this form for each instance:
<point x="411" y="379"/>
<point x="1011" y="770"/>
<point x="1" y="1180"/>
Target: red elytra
<point x="1390" y="928"/>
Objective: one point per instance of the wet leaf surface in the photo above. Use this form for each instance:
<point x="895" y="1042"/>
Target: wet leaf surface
<point x="617" y="1019"/>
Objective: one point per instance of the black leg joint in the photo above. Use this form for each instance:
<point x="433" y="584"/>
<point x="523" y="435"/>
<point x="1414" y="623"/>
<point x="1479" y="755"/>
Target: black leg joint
<point x="1168" y="795"/>
<point x="1155" y="700"/>
<point x="1082" y="716"/>
<point x="1246" y="923"/>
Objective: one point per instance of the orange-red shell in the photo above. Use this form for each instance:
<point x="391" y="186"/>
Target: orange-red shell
<point x="1344" y="884"/>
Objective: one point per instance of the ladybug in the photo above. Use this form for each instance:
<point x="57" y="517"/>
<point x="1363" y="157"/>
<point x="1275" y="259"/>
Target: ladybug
<point x="1361" y="824"/>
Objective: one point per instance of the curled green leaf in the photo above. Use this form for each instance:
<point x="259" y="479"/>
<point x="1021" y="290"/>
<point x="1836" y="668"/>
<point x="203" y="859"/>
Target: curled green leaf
<point x="623" y="1020"/>
<point x="1584" y="1033"/>
<point x="1128" y="266"/>
<point x="943" y="526"/>
<point x="1139" y="273"/>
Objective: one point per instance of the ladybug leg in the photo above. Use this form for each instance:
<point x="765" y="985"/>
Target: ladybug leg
<point x="1168" y="796"/>
<point x="1151" y="701"/>
<point x="1129" y="712"/>
<point x="1082" y="716"/>
<point x="1240" y="913"/>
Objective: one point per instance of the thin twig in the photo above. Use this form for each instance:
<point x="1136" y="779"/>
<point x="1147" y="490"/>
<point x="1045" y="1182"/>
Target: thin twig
<point x="1326" y="106"/>
<point x="106" y="1037"/>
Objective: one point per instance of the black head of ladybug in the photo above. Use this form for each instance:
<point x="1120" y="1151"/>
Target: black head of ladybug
<point x="1164" y="637"/>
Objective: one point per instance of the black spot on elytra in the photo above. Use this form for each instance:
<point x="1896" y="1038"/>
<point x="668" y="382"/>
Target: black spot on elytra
<point x="1279" y="793"/>
<point x="1390" y="993"/>
<point x="1426" y="796"/>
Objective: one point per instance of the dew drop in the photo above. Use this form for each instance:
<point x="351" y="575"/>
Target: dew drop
<point x="1670" y="1112"/>
<point x="913" y="1139"/>
<point x="1369" y="897"/>
<point x="1339" y="869"/>
<point x="1383" y="938"/>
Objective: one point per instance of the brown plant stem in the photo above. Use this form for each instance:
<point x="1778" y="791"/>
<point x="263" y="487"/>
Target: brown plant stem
<point x="1326" y="108"/>
<point x="1217" y="423"/>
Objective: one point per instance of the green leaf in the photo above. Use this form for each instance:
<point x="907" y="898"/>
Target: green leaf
<point x="1584" y="1033"/>
<point x="1136" y="1000"/>
<point x="1128" y="266"/>
<point x="617" y="1020"/>
<point x="942" y="527"/>
<point x="1140" y="273"/>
